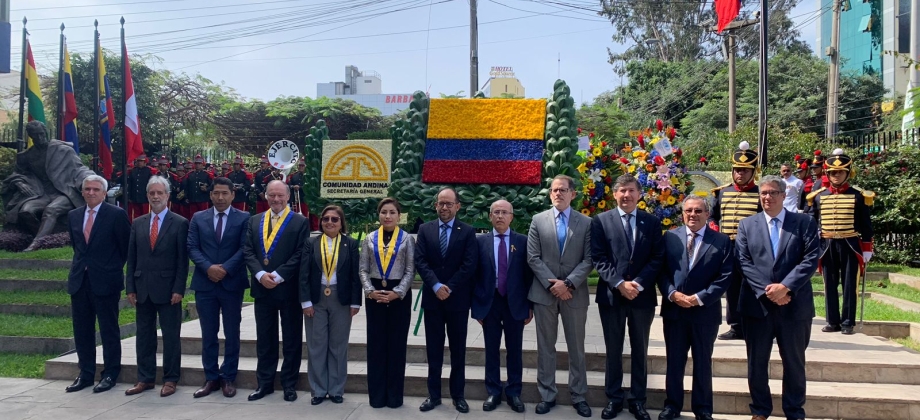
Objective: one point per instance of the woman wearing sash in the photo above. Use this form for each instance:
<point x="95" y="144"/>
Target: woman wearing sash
<point x="330" y="293"/>
<point x="387" y="270"/>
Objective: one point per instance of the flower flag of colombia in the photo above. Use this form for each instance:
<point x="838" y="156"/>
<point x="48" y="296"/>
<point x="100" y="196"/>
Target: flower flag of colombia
<point x="485" y="141"/>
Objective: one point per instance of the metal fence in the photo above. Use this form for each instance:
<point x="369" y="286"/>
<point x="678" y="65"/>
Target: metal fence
<point x="880" y="141"/>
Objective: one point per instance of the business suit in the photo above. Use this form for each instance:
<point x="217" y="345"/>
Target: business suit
<point x="222" y="299"/>
<point x="614" y="263"/>
<point x="283" y="300"/>
<point x="328" y="329"/>
<point x="455" y="270"/>
<point x="154" y="275"/>
<point x="573" y="263"/>
<point x="694" y="329"/>
<point x="506" y="313"/>
<point x="95" y="283"/>
<point x="790" y="324"/>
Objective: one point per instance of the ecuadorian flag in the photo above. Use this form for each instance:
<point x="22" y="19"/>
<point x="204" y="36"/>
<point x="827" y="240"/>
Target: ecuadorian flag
<point x="106" y="117"/>
<point x="485" y="141"/>
<point x="70" y="106"/>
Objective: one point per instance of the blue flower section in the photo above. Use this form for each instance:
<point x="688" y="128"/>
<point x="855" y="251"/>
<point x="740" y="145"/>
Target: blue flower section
<point x="507" y="150"/>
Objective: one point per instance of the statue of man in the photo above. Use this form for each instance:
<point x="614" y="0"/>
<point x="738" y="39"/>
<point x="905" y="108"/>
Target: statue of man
<point x="44" y="186"/>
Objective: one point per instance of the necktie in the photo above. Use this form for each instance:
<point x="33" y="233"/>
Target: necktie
<point x="220" y="226"/>
<point x="89" y="225"/>
<point x="774" y="235"/>
<point x="154" y="230"/>
<point x="561" y="231"/>
<point x="691" y="248"/>
<point x="273" y="222"/>
<point x="629" y="232"/>
<point x="443" y="239"/>
<point x="502" y="265"/>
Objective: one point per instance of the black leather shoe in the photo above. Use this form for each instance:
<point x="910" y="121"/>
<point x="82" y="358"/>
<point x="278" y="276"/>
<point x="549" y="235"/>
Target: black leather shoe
<point x="638" y="410"/>
<point x="847" y="331"/>
<point x="290" y="395"/>
<point x="582" y="409"/>
<point x="704" y="416"/>
<point x="104" y="385"/>
<point x="669" y="413"/>
<point x="544" y="406"/>
<point x="78" y="384"/>
<point x="260" y="392"/>
<point x="516" y="404"/>
<point x="831" y="328"/>
<point x="337" y="399"/>
<point x="461" y="405"/>
<point x="429" y="404"/>
<point x="317" y="400"/>
<point x="731" y="334"/>
<point x="490" y="403"/>
<point x="611" y="410"/>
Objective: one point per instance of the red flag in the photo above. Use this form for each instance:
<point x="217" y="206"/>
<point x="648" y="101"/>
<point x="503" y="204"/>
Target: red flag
<point x="726" y="11"/>
<point x="133" y="133"/>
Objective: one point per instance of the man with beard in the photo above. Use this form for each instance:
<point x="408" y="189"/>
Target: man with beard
<point x="241" y="182"/>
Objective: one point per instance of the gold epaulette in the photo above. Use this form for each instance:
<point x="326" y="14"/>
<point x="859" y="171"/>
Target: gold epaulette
<point x="716" y="190"/>
<point x="811" y="196"/>
<point x="868" y="196"/>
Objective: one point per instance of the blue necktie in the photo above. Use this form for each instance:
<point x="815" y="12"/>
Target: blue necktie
<point x="443" y="239"/>
<point x="774" y="236"/>
<point x="560" y="231"/>
<point x="629" y="232"/>
<point x="502" y="265"/>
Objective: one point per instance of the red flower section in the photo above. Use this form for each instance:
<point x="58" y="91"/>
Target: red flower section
<point x="672" y="133"/>
<point x="659" y="160"/>
<point x="625" y="161"/>
<point x="590" y="135"/>
<point x="482" y="172"/>
<point x="659" y="125"/>
<point x="579" y="131"/>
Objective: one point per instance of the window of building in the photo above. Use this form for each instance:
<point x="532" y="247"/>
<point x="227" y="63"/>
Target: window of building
<point x="368" y="81"/>
<point x="904" y="9"/>
<point x="865" y="25"/>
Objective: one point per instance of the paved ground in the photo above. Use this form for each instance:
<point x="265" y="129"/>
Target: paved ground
<point x="43" y="399"/>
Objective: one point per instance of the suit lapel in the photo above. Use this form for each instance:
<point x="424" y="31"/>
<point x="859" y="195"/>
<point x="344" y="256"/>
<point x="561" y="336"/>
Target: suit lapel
<point x="164" y="225"/>
<point x="569" y="230"/>
<point x="764" y="230"/>
<point x="343" y="253"/>
<point x="704" y="247"/>
<point x="144" y="221"/>
<point x="684" y="259"/>
<point x="209" y="226"/>
<point x="491" y="242"/>
<point x="785" y="234"/>
<point x="455" y="232"/>
<point x="92" y="233"/>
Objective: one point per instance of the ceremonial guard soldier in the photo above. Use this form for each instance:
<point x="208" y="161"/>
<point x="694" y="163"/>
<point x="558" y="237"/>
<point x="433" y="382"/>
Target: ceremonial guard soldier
<point x="196" y="187"/>
<point x="817" y="180"/>
<point x="259" y="178"/>
<point x="842" y="212"/>
<point x="731" y="203"/>
<point x="224" y="169"/>
<point x="136" y="190"/>
<point x="297" y="180"/>
<point x="180" y="202"/>
<point x="241" y="181"/>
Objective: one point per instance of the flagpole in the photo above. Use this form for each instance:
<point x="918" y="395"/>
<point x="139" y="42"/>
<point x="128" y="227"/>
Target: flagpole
<point x="96" y="58"/>
<point x="22" y="88"/>
<point x="762" y="123"/>
<point x="60" y="103"/>
<point x="124" y="125"/>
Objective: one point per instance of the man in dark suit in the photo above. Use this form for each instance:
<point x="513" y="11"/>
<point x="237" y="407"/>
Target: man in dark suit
<point x="626" y="247"/>
<point x="215" y="244"/>
<point x="697" y="270"/>
<point x="445" y="258"/>
<point x="500" y="304"/>
<point x="157" y="272"/>
<point x="272" y="253"/>
<point x="99" y="234"/>
<point x="778" y="251"/>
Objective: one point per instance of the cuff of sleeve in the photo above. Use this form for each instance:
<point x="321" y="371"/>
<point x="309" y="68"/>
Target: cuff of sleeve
<point x="639" y="286"/>
<point x="671" y="294"/>
<point x="260" y="274"/>
<point x="618" y="284"/>
<point x="437" y="286"/>
<point x="355" y="306"/>
<point x="866" y="246"/>
<point x="698" y="300"/>
<point x="278" y="278"/>
<point x="305" y="305"/>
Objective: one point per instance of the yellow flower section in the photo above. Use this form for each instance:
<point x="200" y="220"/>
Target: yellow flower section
<point x="500" y="119"/>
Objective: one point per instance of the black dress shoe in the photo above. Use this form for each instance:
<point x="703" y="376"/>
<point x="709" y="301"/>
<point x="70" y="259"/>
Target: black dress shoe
<point x="461" y="405"/>
<point x="847" y="331"/>
<point x="669" y="413"/>
<point x="429" y="404"/>
<point x="582" y="409"/>
<point x="516" y="404"/>
<point x="78" y="384"/>
<point x="317" y="400"/>
<point x="638" y="410"/>
<point x="704" y="416"/>
<point x="611" y="410"/>
<point x="261" y="392"/>
<point x="290" y="395"/>
<point x="337" y="399"/>
<point x="731" y="334"/>
<point x="544" y="406"/>
<point x="831" y="328"/>
<point x="104" y="385"/>
<point x="492" y="402"/>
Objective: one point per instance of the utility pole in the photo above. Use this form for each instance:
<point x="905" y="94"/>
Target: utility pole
<point x="730" y="56"/>
<point x="915" y="43"/>
<point x="833" y="81"/>
<point x="474" y="50"/>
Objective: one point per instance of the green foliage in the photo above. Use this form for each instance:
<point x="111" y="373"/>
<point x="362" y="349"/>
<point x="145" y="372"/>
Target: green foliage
<point x="7" y="162"/>
<point x="369" y="135"/>
<point x="43" y="254"/>
<point x="15" y="365"/>
<point x="603" y="119"/>
<point x="718" y="145"/>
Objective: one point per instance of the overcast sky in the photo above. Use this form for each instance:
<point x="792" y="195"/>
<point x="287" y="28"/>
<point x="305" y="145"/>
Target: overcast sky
<point x="272" y="48"/>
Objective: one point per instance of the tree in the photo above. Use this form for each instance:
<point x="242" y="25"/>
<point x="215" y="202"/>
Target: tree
<point x="604" y="119"/>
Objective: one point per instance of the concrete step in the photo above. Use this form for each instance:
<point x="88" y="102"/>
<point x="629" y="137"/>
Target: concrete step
<point x="838" y="400"/>
<point x="8" y="285"/>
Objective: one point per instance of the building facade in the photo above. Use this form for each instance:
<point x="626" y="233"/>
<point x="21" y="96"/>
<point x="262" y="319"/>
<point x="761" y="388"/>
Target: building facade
<point x="365" y="88"/>
<point x="503" y="84"/>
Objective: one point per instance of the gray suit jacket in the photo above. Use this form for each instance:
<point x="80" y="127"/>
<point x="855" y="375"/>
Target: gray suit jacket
<point x="159" y="272"/>
<point x="546" y="262"/>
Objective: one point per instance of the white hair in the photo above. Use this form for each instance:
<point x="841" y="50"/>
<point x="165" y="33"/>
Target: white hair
<point x="96" y="178"/>
<point x="158" y="180"/>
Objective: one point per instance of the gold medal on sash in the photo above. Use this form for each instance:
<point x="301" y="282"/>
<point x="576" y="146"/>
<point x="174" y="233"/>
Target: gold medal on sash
<point x="330" y="259"/>
<point x="385" y="253"/>
<point x="383" y="283"/>
<point x="328" y="291"/>
<point x="265" y="261"/>
<point x="269" y="236"/>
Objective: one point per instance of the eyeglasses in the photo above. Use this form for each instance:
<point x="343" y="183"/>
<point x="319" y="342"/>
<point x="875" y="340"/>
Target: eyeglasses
<point x="560" y="190"/>
<point x="446" y="204"/>
<point x="501" y="213"/>
<point x="331" y="219"/>
<point x="771" y="193"/>
<point x="694" y="211"/>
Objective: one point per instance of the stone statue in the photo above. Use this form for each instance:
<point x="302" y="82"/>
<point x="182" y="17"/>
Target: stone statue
<point x="45" y="185"/>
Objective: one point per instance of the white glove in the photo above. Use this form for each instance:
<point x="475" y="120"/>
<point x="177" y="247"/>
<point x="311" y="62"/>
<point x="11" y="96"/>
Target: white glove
<point x="867" y="256"/>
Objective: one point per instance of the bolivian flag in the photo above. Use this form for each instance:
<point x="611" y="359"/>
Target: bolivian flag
<point x="36" y="109"/>
<point x="485" y="141"/>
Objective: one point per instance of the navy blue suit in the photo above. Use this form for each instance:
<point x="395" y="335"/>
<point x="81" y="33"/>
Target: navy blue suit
<point x="95" y="283"/>
<point x="764" y="320"/>
<point x="503" y="313"/>
<point x="223" y="297"/>
<point x="695" y="328"/>
<point x="455" y="270"/>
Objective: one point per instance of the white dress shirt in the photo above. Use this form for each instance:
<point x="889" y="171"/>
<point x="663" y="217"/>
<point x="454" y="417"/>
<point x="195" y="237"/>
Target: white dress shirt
<point x="86" y="214"/>
<point x="162" y="216"/>
<point x="226" y="214"/>
<point x="779" y="226"/>
<point x="794" y="187"/>
<point x="278" y="278"/>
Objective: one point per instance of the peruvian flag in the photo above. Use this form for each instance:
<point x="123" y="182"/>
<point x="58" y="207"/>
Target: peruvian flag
<point x="133" y="133"/>
<point x="726" y="11"/>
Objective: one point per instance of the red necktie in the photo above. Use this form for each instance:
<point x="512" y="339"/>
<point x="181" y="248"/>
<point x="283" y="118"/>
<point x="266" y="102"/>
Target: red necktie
<point x="154" y="230"/>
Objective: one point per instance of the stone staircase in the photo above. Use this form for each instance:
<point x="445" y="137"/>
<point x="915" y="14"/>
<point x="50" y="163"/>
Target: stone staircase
<point x="849" y="377"/>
